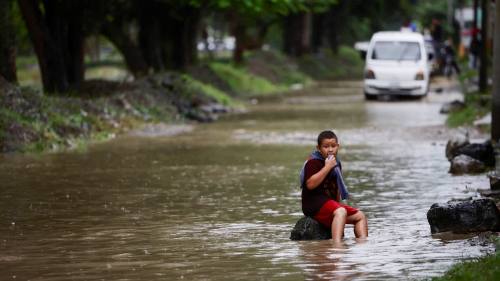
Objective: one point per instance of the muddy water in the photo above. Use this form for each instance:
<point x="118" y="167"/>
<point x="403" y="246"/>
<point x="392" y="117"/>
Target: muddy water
<point x="218" y="202"/>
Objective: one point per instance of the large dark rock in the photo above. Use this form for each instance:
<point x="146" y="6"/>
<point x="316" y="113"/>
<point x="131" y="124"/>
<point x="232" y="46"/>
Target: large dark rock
<point x="494" y="180"/>
<point x="309" y="229"/>
<point x="457" y="141"/>
<point x="464" y="216"/>
<point x="493" y="194"/>
<point x="464" y="164"/>
<point x="453" y="106"/>
<point x="479" y="151"/>
<point x="201" y="116"/>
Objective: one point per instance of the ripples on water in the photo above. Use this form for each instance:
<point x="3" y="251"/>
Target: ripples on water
<point x="219" y="203"/>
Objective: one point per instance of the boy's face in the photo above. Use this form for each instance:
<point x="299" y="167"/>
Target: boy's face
<point x="328" y="147"/>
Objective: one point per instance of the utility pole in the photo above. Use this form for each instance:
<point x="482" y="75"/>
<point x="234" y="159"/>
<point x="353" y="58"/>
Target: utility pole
<point x="474" y="21"/>
<point x="483" y="62"/>
<point x="495" y="110"/>
<point x="450" y="13"/>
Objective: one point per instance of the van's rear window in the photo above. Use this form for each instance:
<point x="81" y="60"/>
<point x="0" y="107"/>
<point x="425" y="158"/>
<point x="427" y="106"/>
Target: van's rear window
<point x="396" y="50"/>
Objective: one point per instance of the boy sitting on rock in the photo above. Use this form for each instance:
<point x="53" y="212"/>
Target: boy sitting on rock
<point x="323" y="188"/>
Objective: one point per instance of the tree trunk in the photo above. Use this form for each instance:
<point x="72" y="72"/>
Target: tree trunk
<point x="150" y="32"/>
<point x="495" y="111"/>
<point x="58" y="39"/>
<point x="74" y="42"/>
<point x="244" y="40"/>
<point x="169" y="32"/>
<point x="239" y="33"/>
<point x="238" y="29"/>
<point x="50" y="58"/>
<point x="317" y="32"/>
<point x="65" y="23"/>
<point x="295" y="35"/>
<point x="306" y="34"/>
<point x="114" y="31"/>
<point x="7" y="42"/>
<point x="179" y="37"/>
<point x="333" y="26"/>
<point x="287" y="35"/>
<point x="257" y="42"/>
<point x="189" y="37"/>
<point x="335" y="21"/>
<point x="483" y="62"/>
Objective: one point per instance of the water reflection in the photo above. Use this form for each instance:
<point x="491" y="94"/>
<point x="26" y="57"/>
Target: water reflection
<point x="218" y="202"/>
<point x="323" y="260"/>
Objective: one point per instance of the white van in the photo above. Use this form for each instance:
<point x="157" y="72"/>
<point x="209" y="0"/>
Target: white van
<point x="396" y="63"/>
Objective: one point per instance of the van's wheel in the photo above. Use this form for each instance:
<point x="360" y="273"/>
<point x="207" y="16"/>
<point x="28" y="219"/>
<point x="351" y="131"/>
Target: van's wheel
<point x="370" y="96"/>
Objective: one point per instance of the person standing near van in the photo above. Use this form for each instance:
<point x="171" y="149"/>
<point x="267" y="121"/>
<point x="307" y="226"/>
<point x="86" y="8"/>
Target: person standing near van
<point x="450" y="61"/>
<point x="474" y="52"/>
<point x="437" y="42"/>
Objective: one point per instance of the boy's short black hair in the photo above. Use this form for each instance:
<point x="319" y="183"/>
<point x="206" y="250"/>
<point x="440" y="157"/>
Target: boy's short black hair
<point x="326" y="135"/>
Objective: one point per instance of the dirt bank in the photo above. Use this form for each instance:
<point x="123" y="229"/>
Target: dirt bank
<point x="31" y="121"/>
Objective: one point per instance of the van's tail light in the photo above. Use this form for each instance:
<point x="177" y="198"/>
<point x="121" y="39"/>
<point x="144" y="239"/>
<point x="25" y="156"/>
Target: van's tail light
<point x="369" y="74"/>
<point x="419" y="76"/>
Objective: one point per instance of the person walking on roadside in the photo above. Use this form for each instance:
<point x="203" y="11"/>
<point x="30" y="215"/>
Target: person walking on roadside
<point x="474" y="52"/>
<point x="450" y="61"/>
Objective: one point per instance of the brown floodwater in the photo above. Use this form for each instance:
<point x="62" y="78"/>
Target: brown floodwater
<point x="218" y="202"/>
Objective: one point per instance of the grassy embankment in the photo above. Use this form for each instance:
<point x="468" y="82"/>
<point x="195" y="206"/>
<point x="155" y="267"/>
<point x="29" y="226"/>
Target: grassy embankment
<point x="481" y="269"/>
<point x="477" y="105"/>
<point x="327" y="66"/>
<point x="34" y="122"/>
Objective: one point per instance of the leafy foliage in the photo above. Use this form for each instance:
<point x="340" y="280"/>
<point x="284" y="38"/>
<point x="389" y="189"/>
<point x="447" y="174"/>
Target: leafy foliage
<point x="281" y="7"/>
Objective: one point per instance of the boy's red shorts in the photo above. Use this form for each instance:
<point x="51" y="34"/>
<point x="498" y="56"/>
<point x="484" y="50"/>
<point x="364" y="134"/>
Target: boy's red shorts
<point x="325" y="214"/>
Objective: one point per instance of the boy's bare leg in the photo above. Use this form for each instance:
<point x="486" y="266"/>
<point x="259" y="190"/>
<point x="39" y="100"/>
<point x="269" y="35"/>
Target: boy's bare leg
<point x="360" y="224"/>
<point x="338" y="224"/>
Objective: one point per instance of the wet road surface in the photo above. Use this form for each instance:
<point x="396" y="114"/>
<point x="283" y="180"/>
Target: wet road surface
<point x="218" y="202"/>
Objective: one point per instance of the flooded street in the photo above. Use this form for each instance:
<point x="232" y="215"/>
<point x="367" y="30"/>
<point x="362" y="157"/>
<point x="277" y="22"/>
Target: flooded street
<point x="219" y="202"/>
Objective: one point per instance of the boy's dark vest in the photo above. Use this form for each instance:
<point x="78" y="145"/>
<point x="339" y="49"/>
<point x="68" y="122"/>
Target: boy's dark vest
<point x="335" y="172"/>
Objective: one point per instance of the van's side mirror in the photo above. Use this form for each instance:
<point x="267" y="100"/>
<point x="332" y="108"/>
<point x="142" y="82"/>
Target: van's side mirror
<point x="430" y="56"/>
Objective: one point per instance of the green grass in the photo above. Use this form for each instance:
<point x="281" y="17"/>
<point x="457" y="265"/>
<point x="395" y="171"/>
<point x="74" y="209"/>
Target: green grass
<point x="28" y="72"/>
<point x="466" y="75"/>
<point x="210" y="91"/>
<point x="465" y="116"/>
<point x="276" y="67"/>
<point x="242" y="82"/>
<point x="26" y="61"/>
<point x="7" y="115"/>
<point x="482" y="269"/>
<point x="477" y="105"/>
<point x="347" y="64"/>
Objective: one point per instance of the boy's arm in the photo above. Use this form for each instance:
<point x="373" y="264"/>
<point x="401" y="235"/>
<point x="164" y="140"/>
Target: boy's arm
<point x="315" y="180"/>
